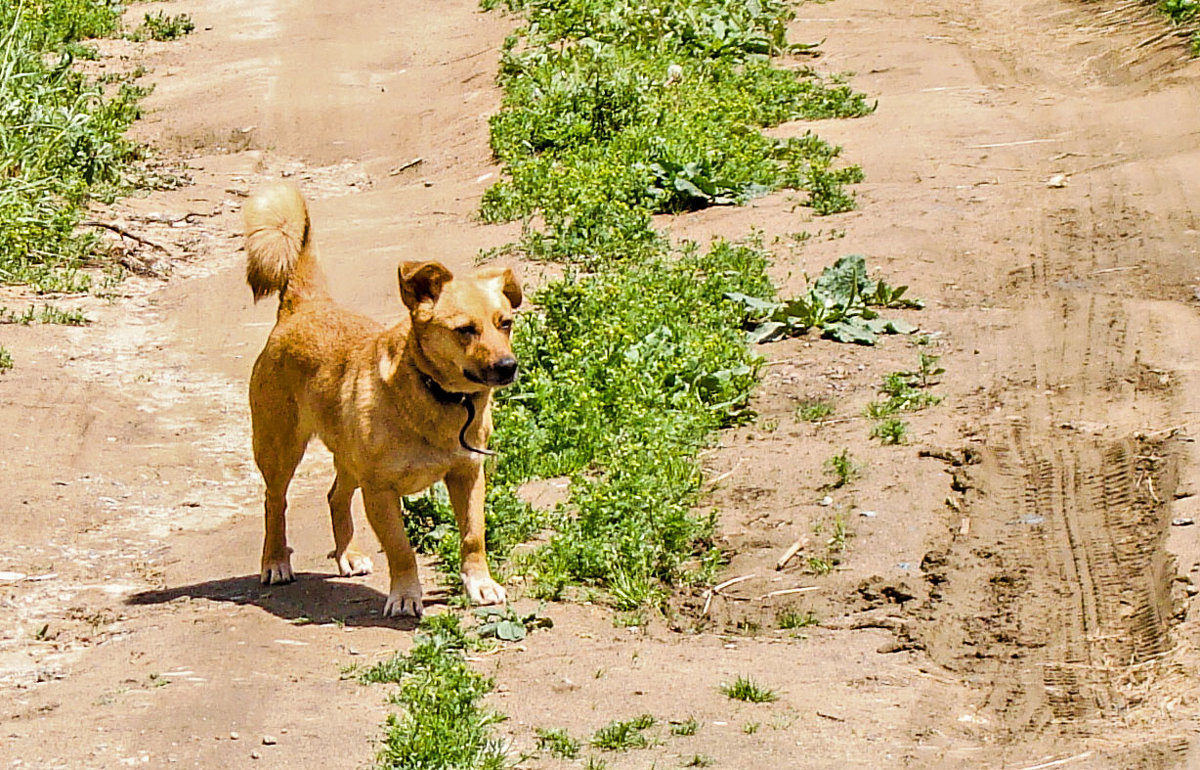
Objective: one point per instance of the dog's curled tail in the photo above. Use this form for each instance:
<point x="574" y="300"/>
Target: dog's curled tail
<point x="280" y="256"/>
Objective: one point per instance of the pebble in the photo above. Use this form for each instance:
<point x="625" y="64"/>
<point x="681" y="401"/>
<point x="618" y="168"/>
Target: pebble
<point x="269" y="740"/>
<point x="233" y="736"/>
<point x="255" y="754"/>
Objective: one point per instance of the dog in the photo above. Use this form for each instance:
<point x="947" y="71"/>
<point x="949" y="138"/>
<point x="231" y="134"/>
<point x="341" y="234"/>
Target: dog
<point x="400" y="408"/>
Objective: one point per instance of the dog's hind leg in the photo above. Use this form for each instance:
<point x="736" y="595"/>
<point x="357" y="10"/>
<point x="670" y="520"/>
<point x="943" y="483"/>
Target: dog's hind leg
<point x="385" y="513"/>
<point x="277" y="458"/>
<point x="350" y="560"/>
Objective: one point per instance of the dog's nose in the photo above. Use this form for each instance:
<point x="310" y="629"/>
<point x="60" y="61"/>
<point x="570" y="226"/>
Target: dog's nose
<point x="504" y="371"/>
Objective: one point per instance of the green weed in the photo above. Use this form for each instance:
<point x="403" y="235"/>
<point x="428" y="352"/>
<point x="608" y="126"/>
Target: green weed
<point x="792" y="619"/>
<point x="890" y="431"/>
<point x="685" y="727"/>
<point x="624" y="735"/>
<point x="906" y="392"/>
<point x="700" y="760"/>
<point x="820" y="565"/>
<point x="843" y="468"/>
<point x="625" y="373"/>
<point x="558" y="742"/>
<point x="839" y="534"/>
<point x="841" y="303"/>
<point x="6" y="359"/>
<point x="161" y="27"/>
<point x="746" y="689"/>
<point x="614" y="111"/>
<point x="1180" y="11"/>
<point x="506" y="625"/>
<point x="62" y="138"/>
<point x="443" y="725"/>
<point x="813" y="410"/>
<point x="49" y="314"/>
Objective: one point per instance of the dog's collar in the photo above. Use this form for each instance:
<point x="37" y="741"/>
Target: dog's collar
<point x="447" y="398"/>
<point x="440" y="394"/>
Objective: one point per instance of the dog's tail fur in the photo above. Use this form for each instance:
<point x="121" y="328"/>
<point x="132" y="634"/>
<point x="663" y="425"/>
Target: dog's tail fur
<point x="280" y="256"/>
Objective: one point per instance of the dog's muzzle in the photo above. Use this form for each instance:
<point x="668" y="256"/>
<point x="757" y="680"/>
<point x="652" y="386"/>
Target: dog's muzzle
<point x="503" y="372"/>
<point x="499" y="374"/>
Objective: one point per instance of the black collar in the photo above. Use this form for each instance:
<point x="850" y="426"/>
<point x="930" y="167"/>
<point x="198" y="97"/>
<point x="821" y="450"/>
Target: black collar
<point x="446" y="398"/>
<point x="440" y="394"/>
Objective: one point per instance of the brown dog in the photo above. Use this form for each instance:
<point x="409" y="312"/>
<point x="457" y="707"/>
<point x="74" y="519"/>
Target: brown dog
<point x="400" y="408"/>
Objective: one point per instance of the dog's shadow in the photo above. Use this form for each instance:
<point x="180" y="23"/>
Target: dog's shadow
<point x="312" y="598"/>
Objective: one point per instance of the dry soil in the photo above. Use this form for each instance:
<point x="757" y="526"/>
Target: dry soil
<point x="1016" y="579"/>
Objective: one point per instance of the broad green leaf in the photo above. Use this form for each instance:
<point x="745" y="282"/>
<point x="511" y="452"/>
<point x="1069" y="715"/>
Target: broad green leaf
<point x="850" y="332"/>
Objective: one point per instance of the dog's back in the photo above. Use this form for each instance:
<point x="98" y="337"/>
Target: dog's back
<point x="295" y="378"/>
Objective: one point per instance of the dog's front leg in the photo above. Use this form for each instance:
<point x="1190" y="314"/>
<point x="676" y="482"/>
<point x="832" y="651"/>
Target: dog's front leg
<point x="385" y="515"/>
<point x="465" y="483"/>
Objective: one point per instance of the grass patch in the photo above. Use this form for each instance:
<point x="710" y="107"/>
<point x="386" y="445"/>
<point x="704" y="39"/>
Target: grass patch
<point x="442" y="725"/>
<point x="684" y="728"/>
<point x="746" y="689"/>
<point x="624" y="735"/>
<point x="843" y="469"/>
<point x="62" y="138"/>
<point x="813" y="410"/>
<point x="1180" y="11"/>
<point x="49" y="314"/>
<point x="906" y="392"/>
<point x="6" y="359"/>
<point x="615" y="111"/>
<point x="891" y="431"/>
<point x="1184" y="13"/>
<point x="793" y="619"/>
<point x="161" y="27"/>
<point x="558" y="742"/>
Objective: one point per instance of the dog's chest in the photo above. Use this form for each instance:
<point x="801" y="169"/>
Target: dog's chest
<point x="415" y="469"/>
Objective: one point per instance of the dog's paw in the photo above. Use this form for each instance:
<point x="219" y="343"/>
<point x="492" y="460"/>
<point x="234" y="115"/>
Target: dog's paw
<point x="278" y="571"/>
<point x="352" y="562"/>
<point x="405" y="605"/>
<point x="484" y="590"/>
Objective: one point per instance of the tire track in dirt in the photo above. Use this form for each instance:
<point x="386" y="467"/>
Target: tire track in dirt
<point x="1061" y="599"/>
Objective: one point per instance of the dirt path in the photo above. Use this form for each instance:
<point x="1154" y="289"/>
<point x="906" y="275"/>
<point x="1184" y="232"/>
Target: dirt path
<point x="1029" y="172"/>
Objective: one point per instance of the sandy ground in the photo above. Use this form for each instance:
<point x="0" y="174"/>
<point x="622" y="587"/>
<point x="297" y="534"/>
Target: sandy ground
<point x="1013" y="594"/>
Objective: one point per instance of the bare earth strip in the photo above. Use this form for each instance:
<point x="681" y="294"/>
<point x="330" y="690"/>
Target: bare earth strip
<point x="1012" y="601"/>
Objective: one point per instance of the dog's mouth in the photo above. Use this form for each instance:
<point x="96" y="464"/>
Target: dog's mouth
<point x="499" y="374"/>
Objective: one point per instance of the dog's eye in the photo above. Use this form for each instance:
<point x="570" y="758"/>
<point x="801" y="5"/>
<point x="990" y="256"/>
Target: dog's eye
<point x="505" y="325"/>
<point x="467" y="331"/>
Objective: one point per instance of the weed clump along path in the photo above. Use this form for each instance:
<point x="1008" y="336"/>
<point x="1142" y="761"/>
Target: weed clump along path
<point x="62" y="137"/>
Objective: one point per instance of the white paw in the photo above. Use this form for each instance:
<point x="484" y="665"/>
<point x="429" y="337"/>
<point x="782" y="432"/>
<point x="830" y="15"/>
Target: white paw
<point x="353" y="563"/>
<point x="484" y="590"/>
<point x="275" y="572"/>
<point x="407" y="603"/>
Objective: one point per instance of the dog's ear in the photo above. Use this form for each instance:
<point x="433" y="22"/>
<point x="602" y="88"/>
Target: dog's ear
<point x="510" y="286"/>
<point x="422" y="282"/>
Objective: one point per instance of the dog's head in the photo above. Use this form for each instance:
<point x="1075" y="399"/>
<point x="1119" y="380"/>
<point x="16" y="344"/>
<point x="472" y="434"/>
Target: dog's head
<point x="462" y="325"/>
